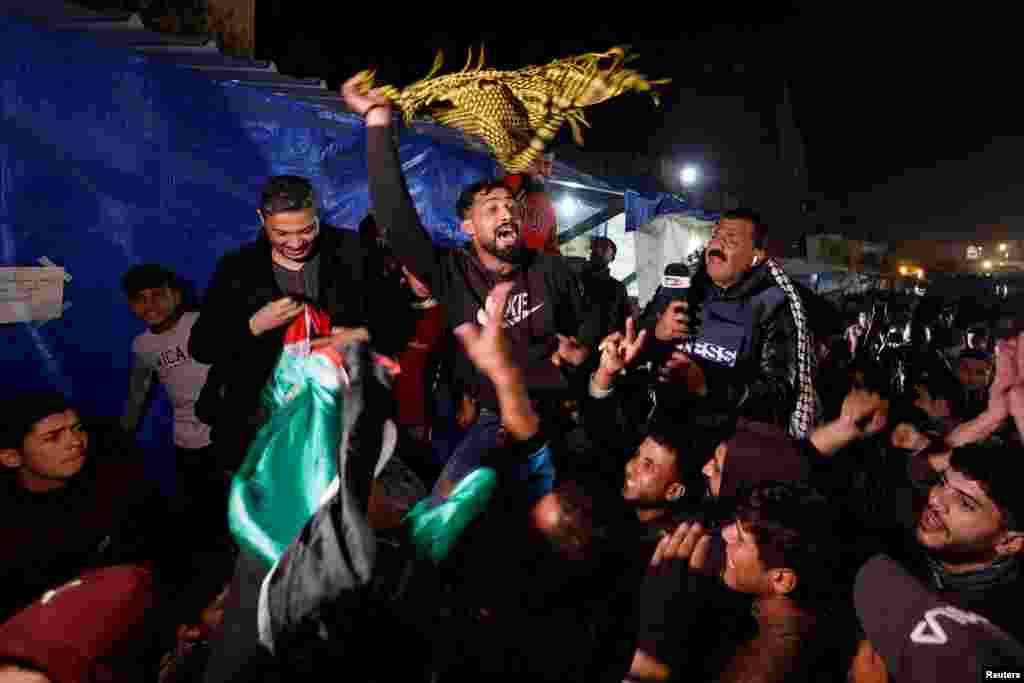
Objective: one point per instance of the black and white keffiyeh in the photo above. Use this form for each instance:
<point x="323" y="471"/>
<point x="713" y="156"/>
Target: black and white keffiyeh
<point x="808" y="408"/>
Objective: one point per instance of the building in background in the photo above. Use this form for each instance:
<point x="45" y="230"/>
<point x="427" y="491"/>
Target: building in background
<point x="234" y="23"/>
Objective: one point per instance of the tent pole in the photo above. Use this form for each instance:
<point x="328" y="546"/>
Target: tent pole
<point x="577" y="186"/>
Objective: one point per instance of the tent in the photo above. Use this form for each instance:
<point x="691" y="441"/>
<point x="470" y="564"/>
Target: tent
<point x="123" y="146"/>
<point x="113" y="157"/>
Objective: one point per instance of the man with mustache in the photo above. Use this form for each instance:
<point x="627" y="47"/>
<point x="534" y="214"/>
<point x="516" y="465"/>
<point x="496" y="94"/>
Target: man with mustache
<point x="746" y="353"/>
<point x="549" y="323"/>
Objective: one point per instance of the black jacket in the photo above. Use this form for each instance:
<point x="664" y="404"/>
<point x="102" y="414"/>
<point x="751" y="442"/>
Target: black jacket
<point x="242" y="284"/>
<point x="546" y="299"/>
<point x="746" y="343"/>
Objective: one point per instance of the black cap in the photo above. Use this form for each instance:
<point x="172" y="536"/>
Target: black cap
<point x="924" y="638"/>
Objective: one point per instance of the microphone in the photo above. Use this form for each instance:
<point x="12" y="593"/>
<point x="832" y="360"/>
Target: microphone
<point x="675" y="285"/>
<point x="676" y="279"/>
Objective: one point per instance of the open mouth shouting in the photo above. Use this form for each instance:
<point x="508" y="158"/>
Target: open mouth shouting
<point x="507" y="235"/>
<point x="717" y="253"/>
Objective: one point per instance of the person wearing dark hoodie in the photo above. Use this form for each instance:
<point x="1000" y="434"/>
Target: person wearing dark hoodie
<point x="551" y="326"/>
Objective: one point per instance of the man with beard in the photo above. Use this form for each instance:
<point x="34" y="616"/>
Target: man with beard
<point x="963" y="540"/>
<point x="548" y="321"/>
<point x="966" y="544"/>
<point x="753" y="352"/>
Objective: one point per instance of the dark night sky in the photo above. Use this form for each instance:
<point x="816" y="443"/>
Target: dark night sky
<point x="908" y="121"/>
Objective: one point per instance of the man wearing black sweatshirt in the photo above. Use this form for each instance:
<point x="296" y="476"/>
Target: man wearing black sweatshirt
<point x="549" y="322"/>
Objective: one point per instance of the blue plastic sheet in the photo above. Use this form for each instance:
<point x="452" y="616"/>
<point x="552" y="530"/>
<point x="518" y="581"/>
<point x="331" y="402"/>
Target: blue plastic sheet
<point x="109" y="159"/>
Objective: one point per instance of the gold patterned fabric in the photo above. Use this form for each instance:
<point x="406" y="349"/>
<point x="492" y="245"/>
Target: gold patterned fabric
<point x="518" y="112"/>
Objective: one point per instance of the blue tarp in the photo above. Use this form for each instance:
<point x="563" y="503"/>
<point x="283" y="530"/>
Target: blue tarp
<point x="109" y="159"/>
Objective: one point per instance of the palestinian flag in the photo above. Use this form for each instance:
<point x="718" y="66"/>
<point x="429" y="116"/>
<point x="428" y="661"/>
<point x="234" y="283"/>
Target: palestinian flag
<point x="292" y="462"/>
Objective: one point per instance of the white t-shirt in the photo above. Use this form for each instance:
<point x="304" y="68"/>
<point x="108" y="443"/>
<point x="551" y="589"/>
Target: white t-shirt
<point x="166" y="354"/>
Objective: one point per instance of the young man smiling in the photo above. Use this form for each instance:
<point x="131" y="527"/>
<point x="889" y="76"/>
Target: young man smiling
<point x="155" y="297"/>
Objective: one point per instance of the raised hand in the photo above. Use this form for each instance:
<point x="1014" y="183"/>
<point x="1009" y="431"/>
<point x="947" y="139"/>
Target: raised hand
<point x="682" y="369"/>
<point x="619" y="351"/>
<point x="1004" y="380"/>
<point x="487" y="347"/>
<point x="360" y="99"/>
<point x="674" y="322"/>
<point x="569" y="351"/>
<point x="1015" y="395"/>
<point x="689" y="543"/>
<point x="273" y="315"/>
<point x="864" y="412"/>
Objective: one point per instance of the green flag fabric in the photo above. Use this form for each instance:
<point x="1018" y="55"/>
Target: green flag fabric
<point x="293" y="459"/>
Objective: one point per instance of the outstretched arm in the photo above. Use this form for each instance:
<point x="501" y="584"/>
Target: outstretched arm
<point x="1004" y="396"/>
<point x="488" y="348"/>
<point x="863" y="414"/>
<point x="392" y="205"/>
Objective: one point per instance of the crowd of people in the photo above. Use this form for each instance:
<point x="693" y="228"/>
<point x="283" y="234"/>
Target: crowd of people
<point x="719" y="487"/>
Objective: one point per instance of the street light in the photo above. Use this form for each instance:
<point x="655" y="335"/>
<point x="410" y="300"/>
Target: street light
<point x="689" y="175"/>
<point x="1003" y="247"/>
<point x="987" y="265"/>
<point x="568" y="206"/>
<point x="903" y="270"/>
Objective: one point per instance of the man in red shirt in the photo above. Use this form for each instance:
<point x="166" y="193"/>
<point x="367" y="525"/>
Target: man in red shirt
<point x="540" y="225"/>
